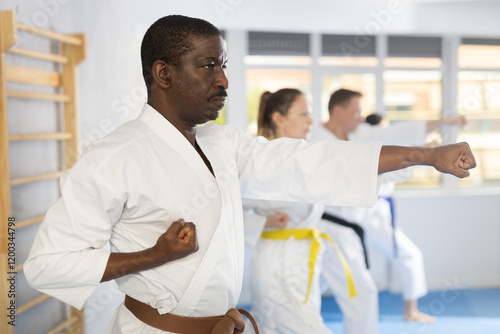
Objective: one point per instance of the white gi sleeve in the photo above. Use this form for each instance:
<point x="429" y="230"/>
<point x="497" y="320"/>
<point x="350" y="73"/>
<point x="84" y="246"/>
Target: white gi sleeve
<point x="331" y="173"/>
<point x="66" y="260"/>
<point x="253" y="223"/>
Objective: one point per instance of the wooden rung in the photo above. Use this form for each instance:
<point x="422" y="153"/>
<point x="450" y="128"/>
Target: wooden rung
<point x="38" y="55"/>
<point x="42" y="136"/>
<point x="27" y="222"/>
<point x="32" y="303"/>
<point x="32" y="76"/>
<point x="49" y="34"/>
<point x="34" y="178"/>
<point x="63" y="325"/>
<point x="18" y="268"/>
<point x="39" y="96"/>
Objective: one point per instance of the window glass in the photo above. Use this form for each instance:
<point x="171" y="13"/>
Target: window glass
<point x="479" y="101"/>
<point x="413" y="51"/>
<point x="278" y="48"/>
<point x="348" y="50"/>
<point x="278" y="60"/>
<point x="348" y="61"/>
<point x="413" y="62"/>
<point x="479" y="53"/>
<point x="410" y="96"/>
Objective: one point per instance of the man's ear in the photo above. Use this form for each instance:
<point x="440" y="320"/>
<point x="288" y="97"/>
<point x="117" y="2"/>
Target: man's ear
<point x="338" y="110"/>
<point x="161" y="74"/>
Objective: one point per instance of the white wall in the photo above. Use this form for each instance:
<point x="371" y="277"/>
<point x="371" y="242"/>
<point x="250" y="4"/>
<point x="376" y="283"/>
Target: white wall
<point x="111" y="92"/>
<point x="458" y="233"/>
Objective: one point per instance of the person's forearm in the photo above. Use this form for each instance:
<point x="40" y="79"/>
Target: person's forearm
<point x="433" y="125"/>
<point x="398" y="157"/>
<point x="177" y="242"/>
<point x="120" y="264"/>
<point x="455" y="159"/>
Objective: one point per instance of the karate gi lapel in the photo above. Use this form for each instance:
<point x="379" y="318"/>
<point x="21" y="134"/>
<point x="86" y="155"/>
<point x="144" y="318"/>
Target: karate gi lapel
<point x="218" y="277"/>
<point x="177" y="141"/>
<point x="221" y="272"/>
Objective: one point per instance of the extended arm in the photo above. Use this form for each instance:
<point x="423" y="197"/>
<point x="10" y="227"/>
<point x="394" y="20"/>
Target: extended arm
<point x="177" y="242"/>
<point x="457" y="120"/>
<point x="455" y="159"/>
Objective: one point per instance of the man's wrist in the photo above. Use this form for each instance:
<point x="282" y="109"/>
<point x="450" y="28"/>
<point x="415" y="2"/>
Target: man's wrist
<point x="155" y="256"/>
<point x="422" y="156"/>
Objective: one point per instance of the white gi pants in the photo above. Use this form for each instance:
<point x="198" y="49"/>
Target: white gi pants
<point x="360" y="312"/>
<point x="409" y="262"/>
<point x="280" y="275"/>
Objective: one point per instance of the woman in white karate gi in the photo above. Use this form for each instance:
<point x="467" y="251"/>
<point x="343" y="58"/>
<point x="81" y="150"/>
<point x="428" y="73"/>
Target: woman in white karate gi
<point x="286" y="297"/>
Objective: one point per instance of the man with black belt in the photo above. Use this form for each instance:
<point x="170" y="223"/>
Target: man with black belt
<point x="361" y="313"/>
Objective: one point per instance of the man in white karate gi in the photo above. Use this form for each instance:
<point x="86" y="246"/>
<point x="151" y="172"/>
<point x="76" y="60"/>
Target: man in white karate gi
<point x="361" y="313"/>
<point x="145" y="186"/>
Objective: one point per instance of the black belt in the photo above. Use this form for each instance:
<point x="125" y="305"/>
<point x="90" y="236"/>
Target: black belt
<point x="357" y="229"/>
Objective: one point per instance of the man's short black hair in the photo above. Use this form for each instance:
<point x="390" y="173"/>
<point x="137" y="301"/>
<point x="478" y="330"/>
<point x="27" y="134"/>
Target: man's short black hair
<point x="341" y="97"/>
<point x="169" y="38"/>
<point x="373" y="119"/>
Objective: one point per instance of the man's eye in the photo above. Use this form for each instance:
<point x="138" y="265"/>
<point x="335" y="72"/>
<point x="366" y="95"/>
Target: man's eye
<point x="208" y="66"/>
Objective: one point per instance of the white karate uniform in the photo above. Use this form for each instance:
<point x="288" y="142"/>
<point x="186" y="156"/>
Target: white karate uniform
<point x="400" y="133"/>
<point x="280" y="271"/>
<point x="377" y="222"/>
<point x="131" y="185"/>
<point x="409" y="262"/>
<point x="361" y="314"/>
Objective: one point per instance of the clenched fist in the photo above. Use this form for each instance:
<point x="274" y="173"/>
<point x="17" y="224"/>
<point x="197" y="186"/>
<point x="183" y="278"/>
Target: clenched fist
<point x="177" y="242"/>
<point x="279" y="221"/>
<point x="455" y="159"/>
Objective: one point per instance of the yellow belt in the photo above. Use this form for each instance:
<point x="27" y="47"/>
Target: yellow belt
<point x="314" y="234"/>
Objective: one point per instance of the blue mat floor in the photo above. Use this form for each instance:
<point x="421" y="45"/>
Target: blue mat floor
<point x="457" y="312"/>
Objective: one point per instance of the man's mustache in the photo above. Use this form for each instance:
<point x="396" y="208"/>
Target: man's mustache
<point x="221" y="93"/>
